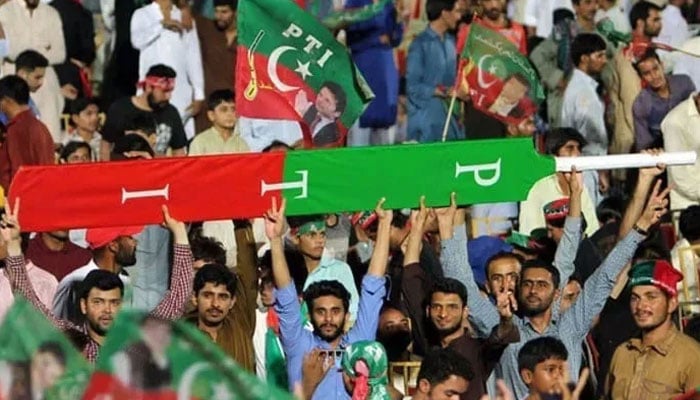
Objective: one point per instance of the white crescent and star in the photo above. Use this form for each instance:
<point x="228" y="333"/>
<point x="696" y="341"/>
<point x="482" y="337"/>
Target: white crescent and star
<point x="480" y="76"/>
<point x="302" y="69"/>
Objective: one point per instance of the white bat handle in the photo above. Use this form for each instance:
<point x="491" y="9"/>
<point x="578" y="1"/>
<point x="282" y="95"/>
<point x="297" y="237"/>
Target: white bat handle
<point x="619" y="161"/>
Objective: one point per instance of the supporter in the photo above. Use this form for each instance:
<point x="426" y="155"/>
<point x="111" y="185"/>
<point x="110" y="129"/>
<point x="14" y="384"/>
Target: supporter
<point x="270" y="362"/>
<point x="30" y="66"/>
<point x="540" y="284"/>
<point x="162" y="37"/>
<point x="84" y="124"/>
<point x="54" y="252"/>
<point x="328" y="304"/>
<point x="543" y="368"/>
<point x="659" y="96"/>
<point x="365" y="370"/>
<point x="155" y="101"/>
<point x="674" y="30"/>
<point x="685" y="259"/>
<point x="444" y="374"/>
<point x="27" y="141"/>
<point x="612" y="10"/>
<point x="75" y="153"/>
<point x="662" y="361"/>
<point x="222" y="137"/>
<point x="101" y="291"/>
<point x="34" y="25"/>
<point x="218" y="41"/>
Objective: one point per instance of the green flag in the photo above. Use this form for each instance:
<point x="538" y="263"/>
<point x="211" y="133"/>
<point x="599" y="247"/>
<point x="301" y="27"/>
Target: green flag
<point x="290" y="67"/>
<point x="501" y="80"/>
<point x="36" y="359"/>
<point x="339" y="19"/>
<point x="148" y="358"/>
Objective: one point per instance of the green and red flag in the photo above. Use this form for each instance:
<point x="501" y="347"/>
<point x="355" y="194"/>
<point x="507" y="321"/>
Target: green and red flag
<point x="341" y="18"/>
<point x="501" y="81"/>
<point x="151" y="359"/>
<point x="290" y="67"/>
<point x="313" y="182"/>
<point x="37" y="361"/>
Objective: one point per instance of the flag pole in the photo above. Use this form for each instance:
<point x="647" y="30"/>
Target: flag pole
<point x="449" y="114"/>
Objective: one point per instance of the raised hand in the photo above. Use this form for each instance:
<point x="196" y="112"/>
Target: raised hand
<point x="419" y="217"/>
<point x="9" y="226"/>
<point x="383" y="215"/>
<point x="652" y="172"/>
<point x="175" y="226"/>
<point x="446" y="216"/>
<point x="656" y="207"/>
<point x="275" y="223"/>
<point x="575" y="181"/>
<point x="506" y="303"/>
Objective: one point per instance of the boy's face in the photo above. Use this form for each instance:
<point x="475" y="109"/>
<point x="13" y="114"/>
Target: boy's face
<point x="223" y="115"/>
<point x="88" y="119"/>
<point x="546" y="376"/>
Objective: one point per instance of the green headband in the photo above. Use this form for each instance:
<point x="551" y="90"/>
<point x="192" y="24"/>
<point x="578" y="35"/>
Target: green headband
<point x="312" y="226"/>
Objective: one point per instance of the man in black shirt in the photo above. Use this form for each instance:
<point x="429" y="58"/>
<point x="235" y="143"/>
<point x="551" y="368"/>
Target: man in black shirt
<point x="154" y="100"/>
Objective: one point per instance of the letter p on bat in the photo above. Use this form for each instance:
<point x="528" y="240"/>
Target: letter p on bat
<point x="478" y="169"/>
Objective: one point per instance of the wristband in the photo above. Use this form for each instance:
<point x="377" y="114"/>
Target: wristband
<point x="640" y="230"/>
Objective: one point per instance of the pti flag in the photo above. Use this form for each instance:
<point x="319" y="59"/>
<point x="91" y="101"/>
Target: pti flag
<point x="289" y="67"/>
<point x="501" y="81"/>
<point x="37" y="361"/>
<point x="348" y="16"/>
<point x="152" y="359"/>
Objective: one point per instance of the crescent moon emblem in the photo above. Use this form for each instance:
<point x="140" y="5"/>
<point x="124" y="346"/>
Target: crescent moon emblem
<point x="272" y="69"/>
<point x="184" y="390"/>
<point x="480" y="76"/>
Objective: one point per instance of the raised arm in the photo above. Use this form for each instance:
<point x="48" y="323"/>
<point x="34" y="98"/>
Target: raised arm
<point x="380" y="256"/>
<point x="600" y="284"/>
<point x="172" y="306"/>
<point x="568" y="245"/>
<point x="16" y="266"/>
<point x="246" y="265"/>
<point x="455" y="264"/>
<point x="636" y="205"/>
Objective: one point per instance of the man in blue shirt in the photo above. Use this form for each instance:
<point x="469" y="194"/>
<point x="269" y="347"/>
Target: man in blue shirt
<point x="328" y="304"/>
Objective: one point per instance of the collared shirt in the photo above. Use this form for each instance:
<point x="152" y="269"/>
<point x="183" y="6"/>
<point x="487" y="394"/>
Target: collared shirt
<point x="544" y="191"/>
<point x="60" y="263"/>
<point x="657" y="372"/>
<point x="170" y="308"/>
<point x="571" y="327"/>
<point x="680" y="133"/>
<point x="649" y="109"/>
<point x="27" y="142"/>
<point x="211" y="142"/>
<point x="331" y="269"/>
<point x="583" y="110"/>
<point x="298" y="341"/>
<point x="43" y="282"/>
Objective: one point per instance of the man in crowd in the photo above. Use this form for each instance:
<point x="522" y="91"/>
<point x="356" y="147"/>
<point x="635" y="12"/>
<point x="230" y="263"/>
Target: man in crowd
<point x="443" y="374"/>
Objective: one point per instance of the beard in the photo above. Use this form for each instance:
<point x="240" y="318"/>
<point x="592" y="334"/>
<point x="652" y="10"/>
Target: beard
<point x="443" y="332"/>
<point x="328" y="337"/>
<point x="531" y="311"/>
<point x="97" y="328"/>
<point x="492" y="14"/>
<point x="395" y="342"/>
<point x="650" y="33"/>
<point x="156" y="105"/>
<point x="125" y="258"/>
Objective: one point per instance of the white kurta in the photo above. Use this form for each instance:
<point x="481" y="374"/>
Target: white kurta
<point x="180" y="52"/>
<point x="674" y="32"/>
<point x="42" y="31"/>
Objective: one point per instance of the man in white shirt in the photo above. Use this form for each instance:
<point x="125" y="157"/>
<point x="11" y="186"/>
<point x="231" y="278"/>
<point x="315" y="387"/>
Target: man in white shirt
<point x="582" y="108"/>
<point x="112" y="249"/>
<point x="539" y="15"/>
<point x="158" y="33"/>
<point x="680" y="130"/>
<point x="686" y="64"/>
<point x="674" y="31"/>
<point x="29" y="24"/>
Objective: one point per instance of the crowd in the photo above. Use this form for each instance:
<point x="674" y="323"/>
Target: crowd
<point x="587" y="289"/>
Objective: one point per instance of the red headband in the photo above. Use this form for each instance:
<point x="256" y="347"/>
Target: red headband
<point x="158" y="81"/>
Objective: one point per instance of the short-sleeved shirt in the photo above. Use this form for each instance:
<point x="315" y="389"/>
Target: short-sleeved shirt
<point x="169" y="129"/>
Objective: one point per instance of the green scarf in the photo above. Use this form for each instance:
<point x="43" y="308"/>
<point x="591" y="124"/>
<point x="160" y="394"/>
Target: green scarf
<point x="366" y="361"/>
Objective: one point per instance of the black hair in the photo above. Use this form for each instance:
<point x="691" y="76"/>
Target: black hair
<point x="326" y="288"/>
<point x="337" y="90"/>
<point x="501" y="255"/>
<point x="296" y="264"/>
<point x="102" y="280"/>
<point x="54" y="348"/>
<point x="220" y="96"/>
<point x="585" y="44"/>
<point x="556" y="138"/>
<point x="649" y="54"/>
<point x="207" y="249"/>
<point x="449" y="286"/>
<point x="399" y="220"/>
<point x="298" y="221"/>
<point x="531" y="264"/>
<point x="144" y="122"/>
<point x="15" y="88"/>
<point x="79" y="105"/>
<point x="692" y="328"/>
<point x="276" y="143"/>
<point x="439" y="364"/>
<point x="641" y="10"/>
<point x="216" y="274"/>
<point x="689" y="223"/>
<point x="610" y="208"/>
<point x="29" y="60"/>
<point x="652" y="248"/>
<point x="72" y="147"/>
<point x="539" y="350"/>
<point x="130" y="142"/>
<point x="231" y="3"/>
<point x="434" y="8"/>
<point x="161" y="71"/>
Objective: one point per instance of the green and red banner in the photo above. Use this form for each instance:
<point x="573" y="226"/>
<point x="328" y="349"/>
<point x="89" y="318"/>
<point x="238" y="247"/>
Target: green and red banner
<point x="37" y="361"/>
<point x="290" y="67"/>
<point x="151" y="359"/>
<point x="242" y="185"/>
<point x="501" y="81"/>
